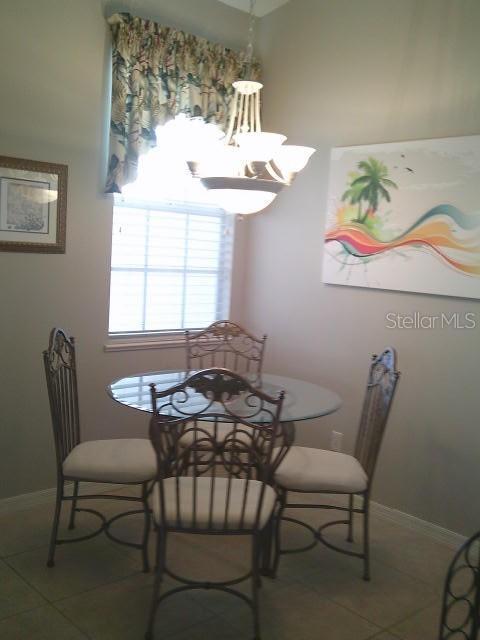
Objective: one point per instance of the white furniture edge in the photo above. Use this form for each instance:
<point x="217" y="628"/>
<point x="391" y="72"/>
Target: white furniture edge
<point x="428" y="529"/>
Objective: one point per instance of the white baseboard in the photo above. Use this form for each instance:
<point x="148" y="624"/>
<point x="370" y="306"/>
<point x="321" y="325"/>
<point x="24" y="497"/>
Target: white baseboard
<point x="428" y="529"/>
<point x="29" y="500"/>
<point x="433" y="531"/>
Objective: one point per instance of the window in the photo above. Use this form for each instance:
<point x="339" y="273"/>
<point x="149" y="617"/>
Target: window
<point x="171" y="252"/>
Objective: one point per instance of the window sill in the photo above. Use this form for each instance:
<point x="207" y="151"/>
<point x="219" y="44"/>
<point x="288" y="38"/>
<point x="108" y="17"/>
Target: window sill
<point x="138" y="344"/>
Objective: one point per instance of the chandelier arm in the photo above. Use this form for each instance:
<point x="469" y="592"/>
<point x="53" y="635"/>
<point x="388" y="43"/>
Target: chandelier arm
<point x="258" y="123"/>
<point x="252" y="170"/>
<point x="239" y="112"/>
<point x="245" y="126"/>
<point x="231" y="121"/>
<point x="252" y="113"/>
<point x="274" y="174"/>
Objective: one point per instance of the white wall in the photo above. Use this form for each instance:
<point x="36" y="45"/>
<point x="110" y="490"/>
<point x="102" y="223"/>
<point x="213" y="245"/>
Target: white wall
<point x="54" y="107"/>
<point x="343" y="73"/>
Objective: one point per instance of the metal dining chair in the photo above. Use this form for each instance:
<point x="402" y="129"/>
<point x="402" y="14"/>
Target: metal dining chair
<point x="460" y="616"/>
<point x="118" y="461"/>
<point x="211" y="484"/>
<point x="307" y="470"/>
<point x="225" y="344"/>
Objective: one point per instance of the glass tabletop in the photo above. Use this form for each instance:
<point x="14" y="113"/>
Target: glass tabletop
<point x="303" y="400"/>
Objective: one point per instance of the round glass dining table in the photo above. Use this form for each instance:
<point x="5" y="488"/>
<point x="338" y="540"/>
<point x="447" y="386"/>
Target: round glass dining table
<point x="303" y="400"/>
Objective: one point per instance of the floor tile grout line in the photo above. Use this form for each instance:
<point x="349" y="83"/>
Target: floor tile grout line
<point x="391" y="630"/>
<point x="395" y="634"/>
<point x="177" y="634"/>
<point x="19" y="613"/>
<point x="211" y="615"/>
<point x="103" y="584"/>
<point x="391" y="566"/>
<point x="86" y="635"/>
<point x="19" y="553"/>
<point x="98" y="586"/>
<point x="31" y="586"/>
<point x="39" y="546"/>
<point x="405" y="573"/>
<point x="380" y="633"/>
<point x="382" y="628"/>
<point x="421" y="534"/>
<point x="45" y="603"/>
<point x="32" y="549"/>
<point x="44" y="545"/>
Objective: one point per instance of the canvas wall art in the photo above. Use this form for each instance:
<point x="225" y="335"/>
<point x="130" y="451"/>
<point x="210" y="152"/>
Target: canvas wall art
<point x="405" y="216"/>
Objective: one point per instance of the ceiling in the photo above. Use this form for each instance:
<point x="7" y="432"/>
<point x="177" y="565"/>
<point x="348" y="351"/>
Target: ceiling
<point x="262" y="7"/>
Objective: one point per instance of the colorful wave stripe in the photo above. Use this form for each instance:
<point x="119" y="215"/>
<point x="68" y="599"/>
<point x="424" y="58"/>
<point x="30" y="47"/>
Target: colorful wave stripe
<point x="444" y="230"/>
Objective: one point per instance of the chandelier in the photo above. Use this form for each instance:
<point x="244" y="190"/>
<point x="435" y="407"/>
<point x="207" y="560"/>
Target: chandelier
<point x="245" y="168"/>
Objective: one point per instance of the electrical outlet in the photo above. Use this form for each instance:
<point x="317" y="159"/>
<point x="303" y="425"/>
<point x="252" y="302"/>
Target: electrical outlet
<point x="336" y="441"/>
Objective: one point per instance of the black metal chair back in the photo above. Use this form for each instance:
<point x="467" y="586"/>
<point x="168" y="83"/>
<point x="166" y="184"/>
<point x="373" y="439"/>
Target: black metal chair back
<point x="225" y="344"/>
<point x="381" y="384"/>
<point x="188" y="452"/>
<point x="461" y="596"/>
<point x="61" y="375"/>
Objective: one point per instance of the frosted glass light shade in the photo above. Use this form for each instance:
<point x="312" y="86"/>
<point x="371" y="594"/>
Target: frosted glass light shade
<point x="218" y="160"/>
<point x="189" y="136"/>
<point x="242" y="195"/>
<point x="243" y="202"/>
<point x="291" y="158"/>
<point x="259" y="145"/>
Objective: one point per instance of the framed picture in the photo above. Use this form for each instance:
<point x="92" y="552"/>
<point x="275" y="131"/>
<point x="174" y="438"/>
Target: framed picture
<point x="33" y="204"/>
<point x="405" y="216"/>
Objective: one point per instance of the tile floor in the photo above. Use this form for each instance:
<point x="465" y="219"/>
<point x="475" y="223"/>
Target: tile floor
<point x="96" y="590"/>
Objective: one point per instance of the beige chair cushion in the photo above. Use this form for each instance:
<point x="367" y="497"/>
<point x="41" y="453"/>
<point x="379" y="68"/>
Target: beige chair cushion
<point x="203" y="500"/>
<point x="120" y="460"/>
<point x="305" y="469"/>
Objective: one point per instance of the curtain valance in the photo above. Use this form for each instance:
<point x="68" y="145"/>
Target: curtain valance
<point x="157" y="73"/>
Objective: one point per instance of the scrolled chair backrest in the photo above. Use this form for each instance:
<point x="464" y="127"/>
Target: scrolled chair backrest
<point x="460" y="617"/>
<point x="217" y="425"/>
<point x="225" y="344"/>
<point x="61" y="375"/>
<point x="381" y="384"/>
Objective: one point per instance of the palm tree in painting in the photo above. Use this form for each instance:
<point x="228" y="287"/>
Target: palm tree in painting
<point x="373" y="185"/>
<point x="354" y="195"/>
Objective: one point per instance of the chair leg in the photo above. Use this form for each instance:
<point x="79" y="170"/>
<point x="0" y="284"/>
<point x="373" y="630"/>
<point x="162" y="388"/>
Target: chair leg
<point x="146" y="527"/>
<point x="71" y="522"/>
<point x="366" y="536"/>
<point x="159" y="569"/>
<point x="256" y="551"/>
<point x="56" y="520"/>
<point x="267" y="540"/>
<point x="277" y="533"/>
<point x="350" y="518"/>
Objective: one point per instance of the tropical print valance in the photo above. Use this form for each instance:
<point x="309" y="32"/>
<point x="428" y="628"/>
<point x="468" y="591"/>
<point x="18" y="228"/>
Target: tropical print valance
<point x="157" y="73"/>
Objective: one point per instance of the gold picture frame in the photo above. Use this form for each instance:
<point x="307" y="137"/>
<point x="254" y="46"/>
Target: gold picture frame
<point x="33" y="205"/>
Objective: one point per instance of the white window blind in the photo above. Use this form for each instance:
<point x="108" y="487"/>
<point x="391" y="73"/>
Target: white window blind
<point x="171" y="266"/>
